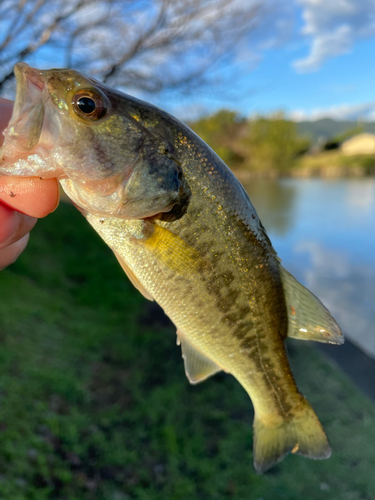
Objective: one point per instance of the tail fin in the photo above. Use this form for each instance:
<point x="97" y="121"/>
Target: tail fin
<point x="302" y="433"/>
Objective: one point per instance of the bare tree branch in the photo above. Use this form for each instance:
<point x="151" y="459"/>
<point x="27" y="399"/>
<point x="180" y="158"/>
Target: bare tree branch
<point x="145" y="44"/>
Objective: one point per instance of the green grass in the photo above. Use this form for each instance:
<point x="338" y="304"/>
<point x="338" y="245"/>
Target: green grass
<point x="95" y="403"/>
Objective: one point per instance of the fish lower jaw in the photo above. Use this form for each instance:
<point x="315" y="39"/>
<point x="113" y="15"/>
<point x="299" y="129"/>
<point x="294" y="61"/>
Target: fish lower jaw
<point x="99" y="206"/>
<point x="15" y="163"/>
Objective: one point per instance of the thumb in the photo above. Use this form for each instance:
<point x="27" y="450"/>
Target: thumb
<point x="30" y="195"/>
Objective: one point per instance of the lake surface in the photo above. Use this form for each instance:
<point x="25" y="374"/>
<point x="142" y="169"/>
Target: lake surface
<point x="324" y="232"/>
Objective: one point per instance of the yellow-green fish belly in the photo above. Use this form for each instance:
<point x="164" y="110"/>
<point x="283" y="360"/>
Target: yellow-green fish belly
<point x="234" y="329"/>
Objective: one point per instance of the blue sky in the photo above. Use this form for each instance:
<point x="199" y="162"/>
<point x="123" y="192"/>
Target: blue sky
<point x="310" y="58"/>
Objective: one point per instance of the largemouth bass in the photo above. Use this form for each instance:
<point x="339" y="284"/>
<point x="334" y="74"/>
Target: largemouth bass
<point x="186" y="234"/>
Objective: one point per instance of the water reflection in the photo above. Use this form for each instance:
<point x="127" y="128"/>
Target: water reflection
<point x="346" y="287"/>
<point x="275" y="200"/>
<point x="361" y="195"/>
<point x="324" y="233"/>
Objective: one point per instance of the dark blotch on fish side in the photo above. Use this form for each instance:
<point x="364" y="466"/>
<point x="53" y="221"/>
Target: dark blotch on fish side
<point x="180" y="208"/>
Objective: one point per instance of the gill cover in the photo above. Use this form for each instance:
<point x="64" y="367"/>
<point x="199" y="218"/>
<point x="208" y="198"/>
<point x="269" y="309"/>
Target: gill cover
<point x="155" y="186"/>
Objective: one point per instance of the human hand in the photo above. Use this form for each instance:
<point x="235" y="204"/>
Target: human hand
<point x="22" y="200"/>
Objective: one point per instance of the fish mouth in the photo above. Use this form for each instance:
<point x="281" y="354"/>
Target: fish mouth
<point x="28" y="113"/>
<point x="33" y="124"/>
<point x="30" y="85"/>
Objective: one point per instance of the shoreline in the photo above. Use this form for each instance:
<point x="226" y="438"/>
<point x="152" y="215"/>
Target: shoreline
<point x="333" y="172"/>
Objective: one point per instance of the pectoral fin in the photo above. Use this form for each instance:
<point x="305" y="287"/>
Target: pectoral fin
<point x="308" y="319"/>
<point x="198" y="367"/>
<point x="133" y="278"/>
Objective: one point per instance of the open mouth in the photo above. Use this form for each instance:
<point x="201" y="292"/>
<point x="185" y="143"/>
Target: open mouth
<point x="6" y="113"/>
<point x="30" y="85"/>
<point x="34" y="124"/>
<point x="28" y="114"/>
<point x="34" y="127"/>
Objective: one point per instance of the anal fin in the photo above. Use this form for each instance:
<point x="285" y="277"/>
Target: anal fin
<point x="308" y="319"/>
<point x="198" y="367"/>
<point x="133" y="278"/>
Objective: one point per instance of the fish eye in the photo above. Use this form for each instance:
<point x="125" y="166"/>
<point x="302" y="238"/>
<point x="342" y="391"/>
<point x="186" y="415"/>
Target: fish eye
<point x="89" y="105"/>
<point x="86" y="105"/>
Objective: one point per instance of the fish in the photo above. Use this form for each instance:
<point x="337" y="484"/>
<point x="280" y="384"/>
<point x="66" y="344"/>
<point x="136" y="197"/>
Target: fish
<point x="186" y="234"/>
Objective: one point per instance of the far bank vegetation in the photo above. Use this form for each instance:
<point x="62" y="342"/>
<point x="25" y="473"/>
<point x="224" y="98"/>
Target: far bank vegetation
<point x="272" y="146"/>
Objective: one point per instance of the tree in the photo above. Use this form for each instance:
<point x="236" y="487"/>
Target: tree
<point x="261" y="143"/>
<point x="272" y="143"/>
<point x="150" y="45"/>
<point x="221" y="131"/>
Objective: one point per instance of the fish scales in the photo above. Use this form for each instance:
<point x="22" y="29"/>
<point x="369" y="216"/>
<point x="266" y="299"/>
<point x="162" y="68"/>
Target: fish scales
<point x="234" y="295"/>
<point x="187" y="235"/>
<point x="248" y="256"/>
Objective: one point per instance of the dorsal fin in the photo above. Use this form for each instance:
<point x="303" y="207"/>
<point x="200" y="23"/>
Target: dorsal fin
<point x="133" y="278"/>
<point x="308" y="319"/>
<point x="198" y="367"/>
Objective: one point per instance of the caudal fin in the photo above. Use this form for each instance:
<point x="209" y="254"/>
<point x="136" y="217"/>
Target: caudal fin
<point x="302" y="433"/>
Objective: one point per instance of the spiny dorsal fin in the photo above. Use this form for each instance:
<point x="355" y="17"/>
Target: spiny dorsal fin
<point x="133" y="278"/>
<point x="198" y="367"/>
<point x="308" y="319"/>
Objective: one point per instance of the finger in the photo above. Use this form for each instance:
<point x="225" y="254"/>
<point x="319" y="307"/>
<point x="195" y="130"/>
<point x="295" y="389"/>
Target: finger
<point x="10" y="254"/>
<point x="13" y="225"/>
<point x="30" y="195"/>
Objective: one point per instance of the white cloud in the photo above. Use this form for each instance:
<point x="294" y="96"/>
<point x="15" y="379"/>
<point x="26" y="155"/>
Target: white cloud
<point x="334" y="26"/>
<point x="364" y="111"/>
<point x="325" y="46"/>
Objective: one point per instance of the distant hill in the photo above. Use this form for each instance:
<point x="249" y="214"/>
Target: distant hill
<point x="328" y="128"/>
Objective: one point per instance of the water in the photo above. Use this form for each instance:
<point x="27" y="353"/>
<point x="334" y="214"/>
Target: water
<point x="324" y="232"/>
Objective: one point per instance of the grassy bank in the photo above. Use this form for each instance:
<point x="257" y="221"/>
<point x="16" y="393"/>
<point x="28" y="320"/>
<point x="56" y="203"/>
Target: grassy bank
<point x="327" y="164"/>
<point x="334" y="164"/>
<point x="95" y="403"/>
